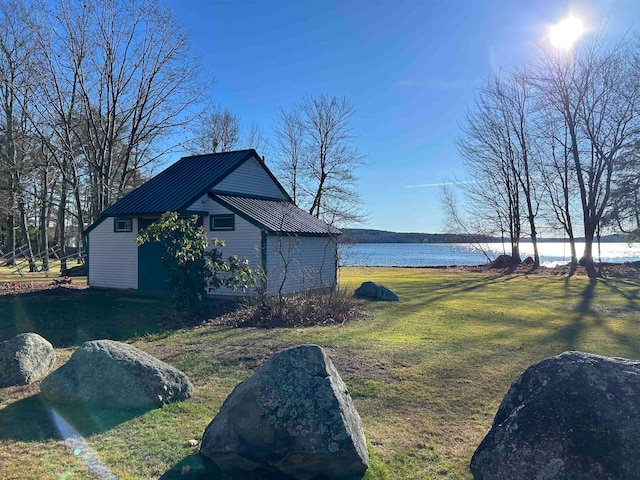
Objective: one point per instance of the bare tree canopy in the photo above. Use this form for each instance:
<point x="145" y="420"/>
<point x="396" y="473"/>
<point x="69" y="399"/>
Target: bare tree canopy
<point x="290" y="144"/>
<point x="495" y="144"/>
<point x="560" y="138"/>
<point x="625" y="194"/>
<point x="98" y="89"/>
<point x="217" y="130"/>
<point x="595" y="93"/>
<point x="317" y="159"/>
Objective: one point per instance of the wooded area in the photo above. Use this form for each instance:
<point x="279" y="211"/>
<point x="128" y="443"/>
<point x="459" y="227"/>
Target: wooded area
<point x="554" y="146"/>
<point x="89" y="93"/>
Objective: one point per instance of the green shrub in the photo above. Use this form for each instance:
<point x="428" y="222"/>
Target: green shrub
<point x="195" y="269"/>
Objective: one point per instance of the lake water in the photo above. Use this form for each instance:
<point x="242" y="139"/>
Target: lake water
<point x="441" y="254"/>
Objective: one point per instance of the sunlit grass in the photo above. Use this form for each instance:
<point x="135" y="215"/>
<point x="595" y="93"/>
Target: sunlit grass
<point x="426" y="374"/>
<point x="22" y="274"/>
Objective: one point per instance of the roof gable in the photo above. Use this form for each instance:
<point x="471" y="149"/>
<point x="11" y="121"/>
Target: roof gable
<point x="182" y="183"/>
<point x="251" y="178"/>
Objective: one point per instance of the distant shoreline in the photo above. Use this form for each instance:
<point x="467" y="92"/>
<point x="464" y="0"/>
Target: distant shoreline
<point x="362" y="235"/>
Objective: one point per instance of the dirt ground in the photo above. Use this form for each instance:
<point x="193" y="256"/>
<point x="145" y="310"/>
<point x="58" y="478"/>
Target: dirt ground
<point x="25" y="286"/>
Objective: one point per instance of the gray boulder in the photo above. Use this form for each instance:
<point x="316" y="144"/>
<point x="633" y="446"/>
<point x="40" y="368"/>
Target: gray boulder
<point x="376" y="291"/>
<point x="25" y="359"/>
<point x="113" y="374"/>
<point x="293" y="417"/>
<point x="504" y="261"/>
<point x="576" y="415"/>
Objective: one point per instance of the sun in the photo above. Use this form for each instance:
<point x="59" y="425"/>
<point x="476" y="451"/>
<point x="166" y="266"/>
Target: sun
<point x="565" y="33"/>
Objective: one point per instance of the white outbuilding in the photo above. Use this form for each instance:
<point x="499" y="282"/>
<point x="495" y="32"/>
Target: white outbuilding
<point x="238" y="200"/>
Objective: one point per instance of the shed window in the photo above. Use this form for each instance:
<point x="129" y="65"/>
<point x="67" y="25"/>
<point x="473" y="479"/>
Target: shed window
<point x="122" y="225"/>
<point x="222" y="222"/>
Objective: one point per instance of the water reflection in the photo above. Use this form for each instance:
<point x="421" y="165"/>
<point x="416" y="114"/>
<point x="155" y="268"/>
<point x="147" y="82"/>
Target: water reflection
<point x="441" y="254"/>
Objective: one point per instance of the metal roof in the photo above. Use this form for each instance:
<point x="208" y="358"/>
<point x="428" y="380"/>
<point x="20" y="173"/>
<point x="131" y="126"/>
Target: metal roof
<point x="276" y="216"/>
<point x="178" y="186"/>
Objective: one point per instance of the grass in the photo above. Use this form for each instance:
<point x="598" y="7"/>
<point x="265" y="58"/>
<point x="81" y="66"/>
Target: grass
<point x="12" y="275"/>
<point x="426" y="374"/>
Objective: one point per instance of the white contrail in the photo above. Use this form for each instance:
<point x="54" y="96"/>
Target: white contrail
<point x="440" y="184"/>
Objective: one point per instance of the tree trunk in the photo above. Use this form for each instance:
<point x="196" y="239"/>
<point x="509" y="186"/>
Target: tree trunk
<point x="60" y="228"/>
<point x="11" y="237"/>
<point x="26" y="238"/>
<point x="43" y="221"/>
<point x="515" y="253"/>
<point x="587" y="256"/>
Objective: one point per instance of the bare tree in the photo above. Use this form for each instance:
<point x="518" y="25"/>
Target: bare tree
<point x="516" y="104"/>
<point x="255" y="138"/>
<point x="290" y="144"/>
<point x="474" y="227"/>
<point x="115" y="80"/>
<point x="625" y="194"/>
<point x="331" y="159"/>
<point x="557" y="177"/>
<point x="595" y="91"/>
<point x="217" y="130"/>
<point x="493" y="152"/>
<point x="16" y="143"/>
<point x="317" y="158"/>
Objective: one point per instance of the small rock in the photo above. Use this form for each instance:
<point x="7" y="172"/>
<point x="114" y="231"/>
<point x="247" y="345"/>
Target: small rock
<point x="528" y="261"/>
<point x="292" y="417"/>
<point x="24" y="359"/>
<point x="114" y="374"/>
<point x="193" y="443"/>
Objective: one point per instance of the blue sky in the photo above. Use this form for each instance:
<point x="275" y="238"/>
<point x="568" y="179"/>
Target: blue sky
<point x="409" y="68"/>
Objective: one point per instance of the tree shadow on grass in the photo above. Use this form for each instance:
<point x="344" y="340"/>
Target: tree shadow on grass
<point x="35" y="419"/>
<point x="572" y="332"/>
<point x="586" y="316"/>
<point x="68" y="317"/>
<point x="448" y="289"/>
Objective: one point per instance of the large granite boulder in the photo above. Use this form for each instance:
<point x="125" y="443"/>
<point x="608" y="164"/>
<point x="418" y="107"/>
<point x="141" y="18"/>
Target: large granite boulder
<point x="113" y="374"/>
<point x="292" y="418"/>
<point x="376" y="291"/>
<point x="576" y="415"/>
<point x="25" y="359"/>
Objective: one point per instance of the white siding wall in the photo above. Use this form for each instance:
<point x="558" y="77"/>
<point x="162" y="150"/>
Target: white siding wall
<point x="113" y="256"/>
<point x="244" y="241"/>
<point x="309" y="263"/>
<point x="250" y="179"/>
<point x="310" y="260"/>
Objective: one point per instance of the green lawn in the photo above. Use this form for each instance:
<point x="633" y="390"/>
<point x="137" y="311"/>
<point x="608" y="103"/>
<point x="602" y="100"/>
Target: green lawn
<point x="426" y="374"/>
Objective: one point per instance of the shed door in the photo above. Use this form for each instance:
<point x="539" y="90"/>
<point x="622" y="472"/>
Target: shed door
<point x="151" y="272"/>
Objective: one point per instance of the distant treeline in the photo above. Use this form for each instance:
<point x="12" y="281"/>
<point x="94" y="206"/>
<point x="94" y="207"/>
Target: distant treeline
<point x="364" y="235"/>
